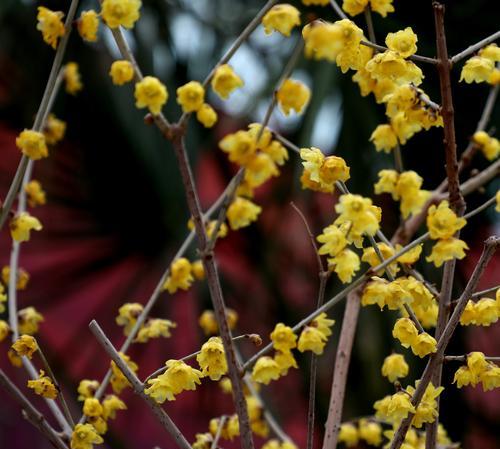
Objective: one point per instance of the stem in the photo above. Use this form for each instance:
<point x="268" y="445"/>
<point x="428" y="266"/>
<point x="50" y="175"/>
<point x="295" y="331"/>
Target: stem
<point x="138" y="387"/>
<point x="49" y="371"/>
<point x="463" y="358"/>
<point x="490" y="246"/>
<point x="398" y="159"/>
<point x="444" y="67"/>
<point x="41" y="114"/>
<point x="416" y="58"/>
<point x="338" y="9"/>
<point x="485" y="292"/>
<point x="342" y="360"/>
<point x="32" y="414"/>
<point x="219" y="431"/>
<point x="369" y="24"/>
<point x="213" y="286"/>
<point x="473" y="48"/>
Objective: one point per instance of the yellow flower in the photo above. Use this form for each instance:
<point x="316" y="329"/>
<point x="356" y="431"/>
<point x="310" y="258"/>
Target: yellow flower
<point x="390" y="65"/>
<point x="242" y="212"/>
<point x="486" y="312"/>
<point x="371" y="256"/>
<point x="359" y="213"/>
<point x="382" y="6"/>
<point x="54" y="129"/>
<point x="426" y="411"/>
<point x="191" y="96"/>
<point x="333" y="241"/>
<point x="282" y="18"/>
<point x="411" y="256"/>
<point x="150" y="92"/>
<point x="324" y="170"/>
<point x="198" y="270"/>
<point x="323" y="40"/>
<point x="230" y="429"/>
<point x="180" y="276"/>
<point x="323" y="324"/>
<point x="28" y="320"/>
<point x="387" y="183"/>
<point x="203" y="441"/>
<point x="225" y="81"/>
<point x="121" y="72"/>
<point x="285" y="361"/>
<point x="283" y="338"/>
<point x="491" y="52"/>
<point x="408" y="190"/>
<point x="394" y="408"/>
<point x="395" y="367"/>
<point x="25" y="345"/>
<point x="206" y="115"/>
<point x="384" y="138"/>
<point x="463" y="377"/>
<point x="4" y="330"/>
<point x="259" y="169"/>
<point x="405" y="331"/>
<point x="127" y="316"/>
<point x="92" y="407"/>
<point x="488" y="145"/>
<point x="21" y="226"/>
<point x="118" y="380"/>
<point x="35" y="193"/>
<point x="403" y="42"/>
<point x="447" y="249"/>
<point x="312" y="339"/>
<point x="354" y="7"/>
<point x="490" y="377"/>
<point x="349" y="434"/>
<point x="87" y="389"/>
<point x="72" y="79"/>
<point x="51" y="25"/>
<point x="442" y="222"/>
<point x="84" y="436"/>
<point x="370" y="431"/>
<point x="423" y="345"/>
<point x="209" y="324"/>
<point x="265" y="370"/>
<point x="43" y="386"/>
<point x="477" y="70"/>
<point x="212" y="359"/>
<point x="155" y="328"/>
<point x="240" y="146"/>
<point x="32" y="144"/>
<point x="120" y="12"/>
<point x="110" y="405"/>
<point x="375" y="292"/>
<point x="88" y="24"/>
<point x="293" y="94"/>
<point x="346" y="263"/>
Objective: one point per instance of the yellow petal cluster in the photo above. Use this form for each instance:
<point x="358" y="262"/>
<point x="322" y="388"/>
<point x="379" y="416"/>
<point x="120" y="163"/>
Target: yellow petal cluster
<point x="282" y="18"/>
<point x="120" y="12"/>
<point x="442" y="222"/>
<point x="225" y="81"/>
<point x="242" y="212"/>
<point x="25" y="345"/>
<point x="121" y="72"/>
<point x="489" y="146"/>
<point x="180" y="276"/>
<point x="265" y="370"/>
<point x="484" y="312"/>
<point x="32" y="144"/>
<point x="22" y="225"/>
<point x="478" y="369"/>
<point x="155" y="328"/>
<point x="54" y="130"/>
<point x="118" y="380"/>
<point x="191" y="96"/>
<point x="323" y="171"/>
<point x="72" y="79"/>
<point x="51" y="25"/>
<point x="84" y="436"/>
<point x="395" y="367"/>
<point x="88" y="25"/>
<point x="403" y="42"/>
<point x="293" y="94"/>
<point x="208" y="322"/>
<point x="127" y="316"/>
<point x="43" y="386"/>
<point x="212" y="359"/>
<point x="150" y="92"/>
<point x="29" y="320"/>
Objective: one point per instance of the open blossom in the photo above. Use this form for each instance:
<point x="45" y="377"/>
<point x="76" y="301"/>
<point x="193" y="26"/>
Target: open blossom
<point x="191" y="96"/>
<point x="25" y="345"/>
<point x="346" y="263"/>
<point x="206" y="115"/>
<point x="394" y="408"/>
<point x="150" y="92"/>
<point x="265" y="370"/>
<point x="283" y="338"/>
<point x="282" y="18"/>
<point x="242" y="212"/>
<point x="349" y="434"/>
<point x="405" y="331"/>
<point x="110" y="405"/>
<point x="87" y="389"/>
<point x="403" y="42"/>
<point x="88" y="24"/>
<point x="127" y="316"/>
<point x="370" y="431"/>
<point x="424" y="344"/>
<point x="180" y="276"/>
<point x="32" y="144"/>
<point x="155" y="328"/>
<point x="384" y="138"/>
<point x="120" y="12"/>
<point x="121" y="72"/>
<point x="51" y="25"/>
<point x="72" y="79"/>
<point x="333" y="241"/>
<point x="84" y="436"/>
<point x="395" y="367"/>
<point x="324" y="171"/>
<point x="118" y="380"/>
<point x="447" y="249"/>
<point x="43" y="386"/>
<point x="312" y="339"/>
<point x="489" y="146"/>
<point x="212" y="359"/>
<point x="293" y="94"/>
<point x="477" y="70"/>
<point x="22" y="225"/>
<point x="225" y="81"/>
<point x="442" y="222"/>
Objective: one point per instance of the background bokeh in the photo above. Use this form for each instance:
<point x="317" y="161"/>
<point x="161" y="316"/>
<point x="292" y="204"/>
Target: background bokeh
<point x="116" y="211"/>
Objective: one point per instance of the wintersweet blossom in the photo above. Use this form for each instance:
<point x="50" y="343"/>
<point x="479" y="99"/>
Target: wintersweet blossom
<point x="150" y="92"/>
<point x="282" y="18"/>
<point x="120" y="12"/>
<point x="50" y="24"/>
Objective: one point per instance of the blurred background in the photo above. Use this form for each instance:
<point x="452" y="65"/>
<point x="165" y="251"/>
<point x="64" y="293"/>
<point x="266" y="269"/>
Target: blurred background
<point x="116" y="211"/>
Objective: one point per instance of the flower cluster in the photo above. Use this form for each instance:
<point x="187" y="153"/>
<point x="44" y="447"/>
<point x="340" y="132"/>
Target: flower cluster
<point x="320" y="172"/>
<point x="43" y="386"/>
<point x="478" y="369"/>
<point x="489" y="146"/>
<point x="421" y="344"/>
<point x="481" y="68"/>
<point x="367" y="430"/>
<point x="282" y="18"/>
<point x="355" y="7"/>
<point x="484" y="312"/>
<point x="443" y="223"/>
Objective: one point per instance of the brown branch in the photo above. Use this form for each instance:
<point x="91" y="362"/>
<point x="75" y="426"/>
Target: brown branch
<point x="490" y="246"/>
<point x="341" y="369"/>
<point x="138" y="387"/>
<point x="32" y="414"/>
<point x="213" y="286"/>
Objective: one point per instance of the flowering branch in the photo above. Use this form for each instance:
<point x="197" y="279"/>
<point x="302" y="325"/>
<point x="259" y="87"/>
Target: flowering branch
<point x="32" y="414"/>
<point x="473" y="48"/>
<point x="138" y="387"/>
<point x="490" y="246"/>
<point x="463" y="358"/>
<point x="41" y="113"/>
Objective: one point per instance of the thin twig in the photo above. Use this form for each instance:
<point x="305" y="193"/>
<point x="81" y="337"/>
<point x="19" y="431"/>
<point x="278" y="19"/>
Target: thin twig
<point x="338" y="9"/>
<point x="473" y="48"/>
<point x="490" y="246"/>
<point x="222" y="421"/>
<point x="138" y="387"/>
<point x="369" y="24"/>
<point x="416" y="58"/>
<point x="32" y="414"/>
<point x="51" y="374"/>
<point x="398" y="159"/>
<point x="463" y="358"/>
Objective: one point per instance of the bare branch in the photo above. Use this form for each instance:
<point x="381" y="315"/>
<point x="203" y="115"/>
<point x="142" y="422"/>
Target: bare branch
<point x="473" y="48"/>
